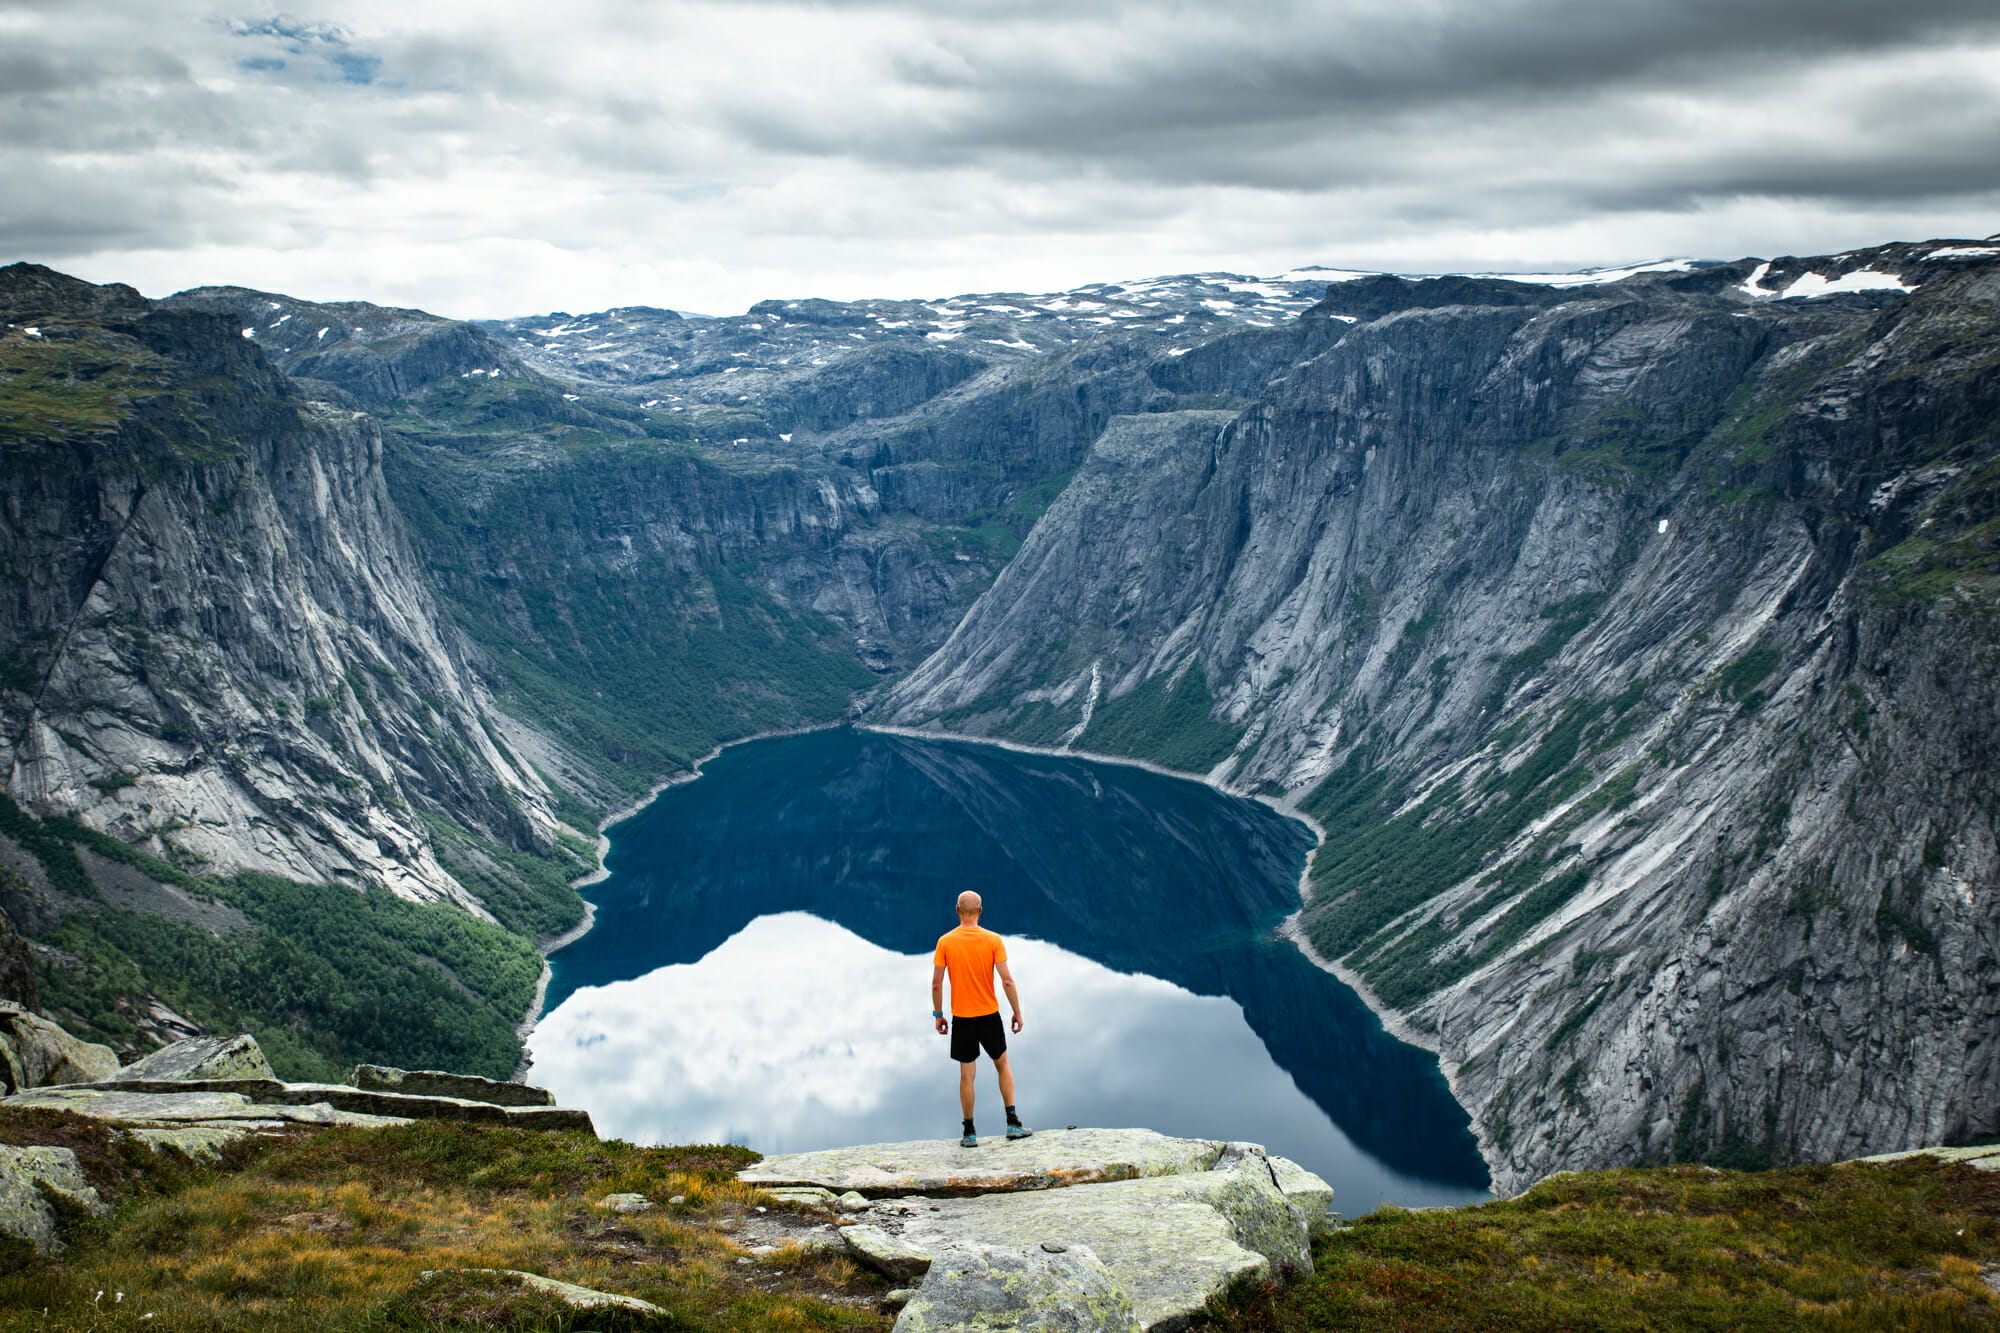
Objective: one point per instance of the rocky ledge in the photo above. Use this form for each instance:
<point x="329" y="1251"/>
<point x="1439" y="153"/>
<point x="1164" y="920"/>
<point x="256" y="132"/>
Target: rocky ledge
<point x="197" y="1095"/>
<point x="1070" y="1229"/>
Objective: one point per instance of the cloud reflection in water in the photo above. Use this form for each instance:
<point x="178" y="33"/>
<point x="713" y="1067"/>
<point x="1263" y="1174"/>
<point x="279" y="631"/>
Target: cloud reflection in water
<point x="797" y="1034"/>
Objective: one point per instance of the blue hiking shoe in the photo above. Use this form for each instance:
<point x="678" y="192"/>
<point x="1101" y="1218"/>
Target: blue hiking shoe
<point x="1018" y="1131"/>
<point x="971" y="1140"/>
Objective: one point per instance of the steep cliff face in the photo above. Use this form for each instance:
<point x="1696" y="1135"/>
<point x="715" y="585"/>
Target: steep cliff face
<point x="1635" y="646"/>
<point x="219" y="642"/>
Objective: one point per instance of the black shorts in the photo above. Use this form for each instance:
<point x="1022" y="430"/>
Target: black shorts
<point x="969" y="1034"/>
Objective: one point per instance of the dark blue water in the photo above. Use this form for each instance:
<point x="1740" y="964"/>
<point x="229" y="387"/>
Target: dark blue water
<point x="760" y="967"/>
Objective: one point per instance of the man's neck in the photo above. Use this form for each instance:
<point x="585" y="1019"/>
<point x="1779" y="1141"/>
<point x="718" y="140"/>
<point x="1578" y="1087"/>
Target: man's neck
<point x="968" y="923"/>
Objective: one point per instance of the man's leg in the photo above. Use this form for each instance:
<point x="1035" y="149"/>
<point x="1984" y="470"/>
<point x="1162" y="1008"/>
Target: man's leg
<point x="1015" y="1129"/>
<point x="965" y="1073"/>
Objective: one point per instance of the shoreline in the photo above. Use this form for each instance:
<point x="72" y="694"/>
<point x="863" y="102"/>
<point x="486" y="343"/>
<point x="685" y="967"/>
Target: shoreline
<point x="617" y="815"/>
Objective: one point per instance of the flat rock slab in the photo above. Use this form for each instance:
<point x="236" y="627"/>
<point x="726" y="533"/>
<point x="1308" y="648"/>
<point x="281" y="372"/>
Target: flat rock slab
<point x="202" y="1142"/>
<point x="1169" y="1242"/>
<point x="359" y="1101"/>
<point x="109" y="1102"/>
<point x="1986" y="1157"/>
<point x="437" y="1083"/>
<point x="579" y="1298"/>
<point x="940" y="1168"/>
<point x="1044" y="1289"/>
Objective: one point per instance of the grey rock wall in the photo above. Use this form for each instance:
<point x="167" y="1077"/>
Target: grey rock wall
<point x="218" y="639"/>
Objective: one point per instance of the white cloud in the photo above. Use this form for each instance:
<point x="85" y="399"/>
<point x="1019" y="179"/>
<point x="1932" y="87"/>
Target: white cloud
<point x="504" y="158"/>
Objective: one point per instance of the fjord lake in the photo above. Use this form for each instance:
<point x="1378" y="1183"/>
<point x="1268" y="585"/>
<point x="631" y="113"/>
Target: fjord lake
<point x="759" y="970"/>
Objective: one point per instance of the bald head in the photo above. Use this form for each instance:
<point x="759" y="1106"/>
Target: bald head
<point x="968" y="906"/>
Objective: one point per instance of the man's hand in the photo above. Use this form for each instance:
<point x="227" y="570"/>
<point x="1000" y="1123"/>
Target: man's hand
<point x="1017" y="1021"/>
<point x="944" y="1027"/>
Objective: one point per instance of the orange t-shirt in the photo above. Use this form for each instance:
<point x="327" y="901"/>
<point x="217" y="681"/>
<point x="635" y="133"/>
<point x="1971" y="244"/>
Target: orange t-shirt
<point x="970" y="954"/>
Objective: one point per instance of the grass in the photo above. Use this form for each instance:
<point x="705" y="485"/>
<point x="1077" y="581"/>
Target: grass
<point x="332" y="1230"/>
<point x="1819" y="1247"/>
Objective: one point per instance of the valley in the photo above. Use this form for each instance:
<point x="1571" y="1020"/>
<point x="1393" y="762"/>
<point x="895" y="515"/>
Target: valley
<point x="1631" y="638"/>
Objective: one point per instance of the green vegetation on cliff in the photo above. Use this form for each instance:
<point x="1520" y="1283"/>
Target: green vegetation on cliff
<point x="325" y="976"/>
<point x="640" y="664"/>
<point x="1168" y="719"/>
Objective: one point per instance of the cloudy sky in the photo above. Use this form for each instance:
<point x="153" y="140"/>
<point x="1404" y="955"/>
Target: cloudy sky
<point x="509" y="158"/>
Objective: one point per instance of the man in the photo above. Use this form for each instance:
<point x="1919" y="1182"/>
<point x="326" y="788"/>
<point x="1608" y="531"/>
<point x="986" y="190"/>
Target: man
<point x="972" y="955"/>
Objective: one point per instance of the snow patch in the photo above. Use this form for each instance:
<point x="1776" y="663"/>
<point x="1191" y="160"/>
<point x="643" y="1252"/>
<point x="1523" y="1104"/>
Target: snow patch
<point x="323" y="332"/>
<point x="1754" y="284"/>
<point x="1314" y="274"/>
<point x="249" y="333"/>
<point x="1590" y="277"/>
<point x="1965" y="252"/>
<point x="1861" y="280"/>
<point x="1663" y="525"/>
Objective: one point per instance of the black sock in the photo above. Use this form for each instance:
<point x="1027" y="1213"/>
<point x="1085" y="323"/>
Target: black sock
<point x="1012" y="1118"/>
<point x="968" y="1127"/>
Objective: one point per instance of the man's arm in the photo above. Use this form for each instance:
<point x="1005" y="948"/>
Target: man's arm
<point x="937" y="998"/>
<point x="1013" y="996"/>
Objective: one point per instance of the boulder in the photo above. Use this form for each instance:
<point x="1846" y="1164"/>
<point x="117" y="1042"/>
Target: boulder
<point x="35" y="1053"/>
<point x="203" y="1143"/>
<point x="1307" y="1193"/>
<point x="200" y="1060"/>
<point x="436" y="1083"/>
<point x="803" y="1196"/>
<point x="939" y="1167"/>
<point x="624" y="1203"/>
<point x="1051" y="1288"/>
<point x="28" y="1176"/>
<point x="1170" y="1242"/>
<point x="889" y="1255"/>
